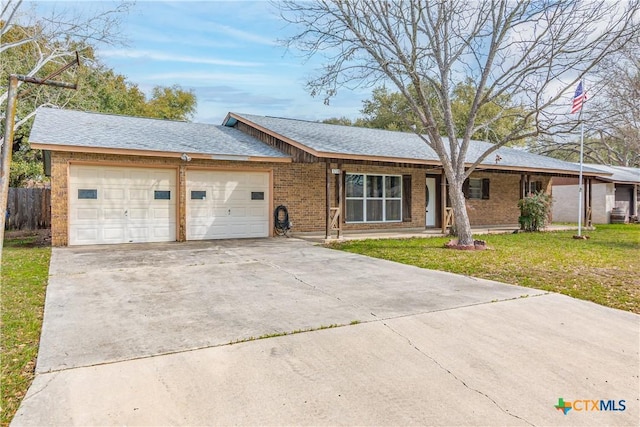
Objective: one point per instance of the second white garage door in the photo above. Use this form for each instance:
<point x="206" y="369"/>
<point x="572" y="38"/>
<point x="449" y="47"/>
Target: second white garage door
<point x="227" y="205"/>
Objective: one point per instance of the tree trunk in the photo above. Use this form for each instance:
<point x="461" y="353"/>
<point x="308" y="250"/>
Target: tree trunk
<point x="463" y="226"/>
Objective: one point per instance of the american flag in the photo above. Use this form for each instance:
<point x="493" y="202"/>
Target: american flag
<point x="578" y="99"/>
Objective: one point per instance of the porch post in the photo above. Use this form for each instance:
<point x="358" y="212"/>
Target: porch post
<point x="443" y="202"/>
<point x="327" y="231"/>
<point x="589" y="202"/>
<point x="636" y="188"/>
<point x="340" y="192"/>
<point x="585" y="199"/>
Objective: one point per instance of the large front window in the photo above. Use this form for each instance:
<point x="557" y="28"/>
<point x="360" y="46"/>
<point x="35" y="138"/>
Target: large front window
<point x="373" y="198"/>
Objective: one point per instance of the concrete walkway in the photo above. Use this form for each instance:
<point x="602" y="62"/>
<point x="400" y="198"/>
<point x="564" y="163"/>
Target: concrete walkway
<point x="140" y="335"/>
<point x="319" y="237"/>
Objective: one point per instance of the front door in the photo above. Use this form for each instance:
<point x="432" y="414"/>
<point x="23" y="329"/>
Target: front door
<point x="430" y="202"/>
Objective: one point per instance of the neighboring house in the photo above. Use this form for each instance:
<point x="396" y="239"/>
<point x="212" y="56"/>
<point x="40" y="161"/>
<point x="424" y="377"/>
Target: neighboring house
<point x="616" y="187"/>
<point x="122" y="179"/>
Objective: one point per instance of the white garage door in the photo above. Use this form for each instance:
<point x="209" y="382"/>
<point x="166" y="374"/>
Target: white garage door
<point x="121" y="205"/>
<point x="224" y="205"/>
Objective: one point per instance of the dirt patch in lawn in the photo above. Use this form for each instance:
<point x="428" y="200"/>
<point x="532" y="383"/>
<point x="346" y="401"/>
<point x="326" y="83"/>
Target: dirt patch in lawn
<point x="28" y="238"/>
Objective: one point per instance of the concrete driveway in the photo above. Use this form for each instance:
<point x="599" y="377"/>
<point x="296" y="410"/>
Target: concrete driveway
<point x="163" y="334"/>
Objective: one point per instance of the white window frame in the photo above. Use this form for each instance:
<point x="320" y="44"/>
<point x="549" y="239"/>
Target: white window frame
<point x="384" y="198"/>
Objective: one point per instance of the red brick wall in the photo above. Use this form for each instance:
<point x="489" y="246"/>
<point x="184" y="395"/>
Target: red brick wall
<point x="502" y="206"/>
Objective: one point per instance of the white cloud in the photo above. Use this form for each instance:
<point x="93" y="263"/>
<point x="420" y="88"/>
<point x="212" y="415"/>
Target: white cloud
<point x="169" y="57"/>
<point x="201" y="78"/>
<point x="242" y="35"/>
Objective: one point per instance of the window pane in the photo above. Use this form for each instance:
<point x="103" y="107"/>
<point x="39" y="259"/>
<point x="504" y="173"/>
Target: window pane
<point x="354" y="211"/>
<point x="374" y="186"/>
<point x="198" y="195"/>
<point x="354" y="185"/>
<point x="162" y="195"/>
<point x="393" y="210"/>
<point x="475" y="188"/>
<point x="87" y="193"/>
<point x="393" y="186"/>
<point x="374" y="210"/>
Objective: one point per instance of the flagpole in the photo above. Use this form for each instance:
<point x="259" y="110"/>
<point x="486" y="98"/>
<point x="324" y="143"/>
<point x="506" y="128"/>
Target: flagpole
<point x="580" y="198"/>
<point x="580" y="184"/>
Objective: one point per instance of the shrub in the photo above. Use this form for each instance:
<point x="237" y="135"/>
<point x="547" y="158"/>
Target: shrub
<point x="534" y="211"/>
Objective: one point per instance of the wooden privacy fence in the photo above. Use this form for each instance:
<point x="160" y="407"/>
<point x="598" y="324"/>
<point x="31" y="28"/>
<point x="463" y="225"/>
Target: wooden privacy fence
<point x="28" y="208"/>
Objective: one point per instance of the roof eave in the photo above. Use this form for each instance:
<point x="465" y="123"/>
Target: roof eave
<point x="153" y="153"/>
<point x="536" y="170"/>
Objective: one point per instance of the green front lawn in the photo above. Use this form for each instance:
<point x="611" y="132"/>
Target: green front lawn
<point x="25" y="269"/>
<point x="604" y="269"/>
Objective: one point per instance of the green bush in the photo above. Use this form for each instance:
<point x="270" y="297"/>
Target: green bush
<point x="534" y="211"/>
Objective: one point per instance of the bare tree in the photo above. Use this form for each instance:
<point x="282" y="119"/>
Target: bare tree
<point x="532" y="51"/>
<point x="31" y="43"/>
<point x="612" y="115"/>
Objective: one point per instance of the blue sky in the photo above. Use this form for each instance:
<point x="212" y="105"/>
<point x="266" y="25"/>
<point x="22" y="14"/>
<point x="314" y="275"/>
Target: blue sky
<point x="227" y="53"/>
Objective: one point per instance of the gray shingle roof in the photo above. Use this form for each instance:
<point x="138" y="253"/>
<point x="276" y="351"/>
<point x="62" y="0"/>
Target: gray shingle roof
<point x="619" y="174"/>
<point x="339" y="139"/>
<point x="83" y="129"/>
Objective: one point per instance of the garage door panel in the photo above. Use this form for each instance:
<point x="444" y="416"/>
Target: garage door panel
<point x="113" y="214"/>
<point x="138" y="214"/>
<point x="86" y="234"/>
<point x="113" y="174"/>
<point x="163" y="179"/>
<point x="139" y="232"/>
<point x="162" y="213"/>
<point x="139" y="195"/>
<point x="113" y="194"/>
<point x="227" y="210"/>
<point x="161" y="234"/>
<point x="260" y="212"/>
<point x="87" y="214"/>
<point x="197" y="213"/>
<point x="239" y="212"/>
<point x="113" y="234"/>
<point x="85" y="176"/>
<point x="220" y="212"/>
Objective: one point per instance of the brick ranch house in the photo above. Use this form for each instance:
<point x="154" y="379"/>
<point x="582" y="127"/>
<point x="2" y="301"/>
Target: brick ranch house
<point x="119" y="179"/>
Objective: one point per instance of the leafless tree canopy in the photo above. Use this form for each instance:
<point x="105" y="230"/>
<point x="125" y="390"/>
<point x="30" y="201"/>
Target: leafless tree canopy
<point x="533" y="51"/>
<point x="611" y="115"/>
<point x="53" y="38"/>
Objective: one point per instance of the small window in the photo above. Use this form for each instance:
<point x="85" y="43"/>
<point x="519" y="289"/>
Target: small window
<point x="534" y="187"/>
<point x="198" y="195"/>
<point x="87" y="194"/>
<point x="475" y="188"/>
<point x="162" y="195"/>
<point x="257" y="195"/>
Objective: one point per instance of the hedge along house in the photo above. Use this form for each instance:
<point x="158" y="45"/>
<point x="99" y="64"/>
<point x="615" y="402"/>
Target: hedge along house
<point x="118" y="179"/>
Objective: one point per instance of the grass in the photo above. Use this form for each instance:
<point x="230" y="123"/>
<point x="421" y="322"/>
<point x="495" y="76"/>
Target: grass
<point x="25" y="268"/>
<point x="604" y="269"/>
